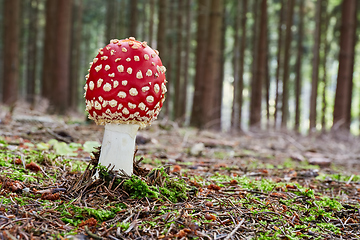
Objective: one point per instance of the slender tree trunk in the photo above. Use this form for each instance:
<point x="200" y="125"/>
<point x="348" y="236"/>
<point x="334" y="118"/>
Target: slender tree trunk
<point x="151" y="22"/>
<point x="187" y="42"/>
<point x="111" y="16"/>
<point x="24" y="34"/>
<point x="11" y="51"/>
<point x="162" y="48"/>
<point x="285" y="102"/>
<point x="267" y="80"/>
<point x="49" y="49"/>
<point x="60" y="91"/>
<point x="220" y="84"/>
<point x="133" y="18"/>
<point x="200" y="65"/>
<point x="32" y="52"/>
<point x="260" y="73"/>
<point x="179" y="63"/>
<point x="326" y="46"/>
<point x="212" y="73"/>
<point x="350" y="87"/>
<point x="346" y="64"/>
<point x="254" y="51"/>
<point x="171" y="74"/>
<point x="236" y="65"/>
<point x="279" y="62"/>
<point x="239" y="99"/>
<point x="75" y="54"/>
<point x="315" y="70"/>
<point x="2" y="25"/>
<point x="121" y="29"/>
<point x="299" y="65"/>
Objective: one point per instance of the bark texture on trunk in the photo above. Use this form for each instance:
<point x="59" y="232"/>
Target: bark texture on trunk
<point x="187" y="42"/>
<point x="151" y="22"/>
<point x="49" y="49"/>
<point x="179" y="85"/>
<point x="299" y="66"/>
<point x="326" y="47"/>
<point x="240" y="87"/>
<point x="236" y="65"/>
<point x="346" y="63"/>
<point x="60" y="91"/>
<point x="279" y="61"/>
<point x="213" y="66"/>
<point x="260" y="73"/>
<point x="200" y="65"/>
<point x="315" y="70"/>
<point x="286" y="73"/>
<point x="133" y="18"/>
<point x="32" y="52"/>
<point x="75" y="84"/>
<point x="11" y="20"/>
<point x="111" y="16"/>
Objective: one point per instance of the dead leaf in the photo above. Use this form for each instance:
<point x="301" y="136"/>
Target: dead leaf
<point x="214" y="187"/>
<point x="50" y="196"/>
<point x="33" y="167"/>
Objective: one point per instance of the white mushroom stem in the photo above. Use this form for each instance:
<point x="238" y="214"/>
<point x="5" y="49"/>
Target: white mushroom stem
<point x="118" y="146"/>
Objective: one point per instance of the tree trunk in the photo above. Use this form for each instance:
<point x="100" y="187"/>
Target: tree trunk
<point x="240" y="87"/>
<point x="236" y="65"/>
<point x="75" y="54"/>
<point x="133" y="18"/>
<point x="299" y="65"/>
<point x="255" y="56"/>
<point x="260" y="73"/>
<point x="326" y="46"/>
<point x="122" y="30"/>
<point x="220" y="84"/>
<point x="2" y="25"/>
<point x="179" y="76"/>
<point x="187" y="41"/>
<point x="151" y="22"/>
<point x="346" y="64"/>
<point x="23" y="39"/>
<point x="285" y="99"/>
<point x="315" y="70"/>
<point x="171" y="74"/>
<point x="142" y="20"/>
<point x="200" y="65"/>
<point x="11" y="51"/>
<point x="32" y="52"/>
<point x="212" y="73"/>
<point x="49" y="49"/>
<point x="60" y="91"/>
<point x="279" y="62"/>
<point x="267" y="80"/>
<point x="111" y="16"/>
<point x="162" y="48"/>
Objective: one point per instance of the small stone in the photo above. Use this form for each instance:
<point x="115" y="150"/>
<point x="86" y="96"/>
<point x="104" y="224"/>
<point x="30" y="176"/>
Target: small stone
<point x="321" y="162"/>
<point x="197" y="149"/>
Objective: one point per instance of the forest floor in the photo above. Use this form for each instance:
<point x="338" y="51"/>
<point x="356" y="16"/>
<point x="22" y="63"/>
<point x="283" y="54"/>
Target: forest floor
<point x="189" y="184"/>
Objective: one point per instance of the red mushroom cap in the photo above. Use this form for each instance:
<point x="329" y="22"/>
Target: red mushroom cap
<point x="125" y="84"/>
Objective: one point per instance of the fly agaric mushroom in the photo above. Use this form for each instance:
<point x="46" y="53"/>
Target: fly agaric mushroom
<point x="125" y="90"/>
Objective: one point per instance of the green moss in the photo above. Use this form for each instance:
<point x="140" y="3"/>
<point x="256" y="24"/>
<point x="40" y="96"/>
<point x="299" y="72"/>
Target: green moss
<point x="99" y="214"/>
<point x="73" y="222"/>
<point x="138" y="188"/>
<point x="173" y="189"/>
<point x="327" y="202"/>
<point x="123" y="226"/>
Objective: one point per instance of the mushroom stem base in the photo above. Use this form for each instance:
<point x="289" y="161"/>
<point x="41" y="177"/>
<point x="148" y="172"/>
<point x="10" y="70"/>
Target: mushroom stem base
<point x="118" y="146"/>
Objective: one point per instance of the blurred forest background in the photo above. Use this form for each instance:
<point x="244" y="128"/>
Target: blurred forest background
<point x="231" y="64"/>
